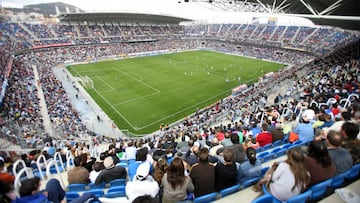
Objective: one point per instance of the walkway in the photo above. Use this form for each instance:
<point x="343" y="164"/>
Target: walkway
<point x="86" y="106"/>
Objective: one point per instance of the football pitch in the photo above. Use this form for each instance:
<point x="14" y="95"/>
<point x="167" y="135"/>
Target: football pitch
<point x="139" y="94"/>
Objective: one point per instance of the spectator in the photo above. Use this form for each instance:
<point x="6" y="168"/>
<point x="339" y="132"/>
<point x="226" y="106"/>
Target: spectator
<point x="175" y="184"/>
<point x="203" y="174"/>
<point x="4" y="176"/>
<point x="143" y="184"/>
<point x="30" y="192"/>
<point x="251" y="168"/>
<point x="318" y="162"/>
<point x="97" y="168"/>
<point x="237" y="148"/>
<point x="264" y="137"/>
<point x="305" y="130"/>
<point x="226" y="173"/>
<point x="340" y="156"/>
<point x="7" y="193"/>
<point x="78" y="174"/>
<point x="277" y="133"/>
<point x="290" y="178"/>
<point x="111" y="172"/>
<point x="161" y="166"/>
<point x="350" y="132"/>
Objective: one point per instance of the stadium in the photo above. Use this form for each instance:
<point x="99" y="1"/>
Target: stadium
<point x="233" y="81"/>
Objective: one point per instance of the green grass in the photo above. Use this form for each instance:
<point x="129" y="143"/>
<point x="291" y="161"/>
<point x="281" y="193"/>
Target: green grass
<point x="140" y="93"/>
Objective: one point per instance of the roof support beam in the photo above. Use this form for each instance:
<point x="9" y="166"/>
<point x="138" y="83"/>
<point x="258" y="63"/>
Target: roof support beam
<point x="331" y="8"/>
<point x="309" y="7"/>
<point x="264" y="6"/>
<point x="281" y="6"/>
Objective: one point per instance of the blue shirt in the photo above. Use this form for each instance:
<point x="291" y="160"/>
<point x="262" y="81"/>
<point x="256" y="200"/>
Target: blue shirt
<point x="247" y="171"/>
<point x="305" y="132"/>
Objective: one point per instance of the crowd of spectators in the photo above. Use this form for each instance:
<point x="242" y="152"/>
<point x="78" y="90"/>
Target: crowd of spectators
<point x="190" y="144"/>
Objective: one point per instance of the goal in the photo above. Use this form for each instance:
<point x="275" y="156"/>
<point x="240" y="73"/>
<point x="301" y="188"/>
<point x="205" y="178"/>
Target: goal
<point x="87" y="82"/>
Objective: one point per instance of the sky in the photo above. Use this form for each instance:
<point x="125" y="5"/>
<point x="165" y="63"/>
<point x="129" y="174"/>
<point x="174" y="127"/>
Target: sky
<point x="116" y="5"/>
<point x="178" y="8"/>
<point x="166" y="7"/>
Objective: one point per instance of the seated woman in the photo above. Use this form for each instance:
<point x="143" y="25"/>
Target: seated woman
<point x="175" y="184"/>
<point x="250" y="168"/>
<point x="288" y="178"/>
<point x="318" y="162"/>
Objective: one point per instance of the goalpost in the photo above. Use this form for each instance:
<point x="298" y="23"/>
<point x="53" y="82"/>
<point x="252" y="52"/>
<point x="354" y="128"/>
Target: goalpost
<point x="87" y="82"/>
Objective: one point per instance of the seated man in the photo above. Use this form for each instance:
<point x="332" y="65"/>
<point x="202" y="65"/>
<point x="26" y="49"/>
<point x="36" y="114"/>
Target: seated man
<point x="143" y="183"/>
<point x="111" y="172"/>
<point x="78" y="174"/>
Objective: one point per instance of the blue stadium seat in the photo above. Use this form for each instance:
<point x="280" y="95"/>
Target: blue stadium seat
<point x="319" y="190"/>
<point x="338" y="180"/>
<point x="301" y="198"/>
<point x="267" y="198"/>
<point x="71" y="196"/>
<point x="113" y="192"/>
<point x="276" y="143"/>
<point x="118" y="182"/>
<point x="267" y="146"/>
<point x="261" y="156"/>
<point x="268" y="157"/>
<point x="76" y="187"/>
<point x="96" y="192"/>
<point x="206" y="198"/>
<point x="353" y="172"/>
<point x="249" y="182"/>
<point x="99" y="186"/>
<point x="229" y="190"/>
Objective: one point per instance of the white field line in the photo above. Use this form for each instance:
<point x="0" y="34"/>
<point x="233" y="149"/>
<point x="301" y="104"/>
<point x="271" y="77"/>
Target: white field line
<point x="111" y="87"/>
<point x="140" y="81"/>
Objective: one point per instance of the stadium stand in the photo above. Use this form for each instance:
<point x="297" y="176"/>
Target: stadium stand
<point x="323" y="69"/>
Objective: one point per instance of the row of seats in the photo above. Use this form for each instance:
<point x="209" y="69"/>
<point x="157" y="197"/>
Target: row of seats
<point x="91" y="186"/>
<point x="278" y="151"/>
<point x="112" y="192"/>
<point x="317" y="191"/>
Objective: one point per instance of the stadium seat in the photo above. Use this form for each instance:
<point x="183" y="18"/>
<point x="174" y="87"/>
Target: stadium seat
<point x="96" y="192"/>
<point x="41" y="164"/>
<point x="338" y="180"/>
<point x="249" y="182"/>
<point x="353" y="172"/>
<point x="18" y="165"/>
<point x="267" y="146"/>
<point x="76" y="187"/>
<point x="206" y="198"/>
<point x="268" y="157"/>
<point x="113" y="192"/>
<point x="266" y="198"/>
<point x="229" y="190"/>
<point x="117" y="182"/>
<point x="276" y="143"/>
<point x="122" y="164"/>
<point x="99" y="186"/>
<point x="71" y="196"/>
<point x="319" y="190"/>
<point x="301" y="198"/>
<point x="297" y="142"/>
<point x="261" y="156"/>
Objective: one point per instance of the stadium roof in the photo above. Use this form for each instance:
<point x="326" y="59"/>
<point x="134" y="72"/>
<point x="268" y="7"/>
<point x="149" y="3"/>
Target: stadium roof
<point x="121" y="18"/>
<point x="338" y="13"/>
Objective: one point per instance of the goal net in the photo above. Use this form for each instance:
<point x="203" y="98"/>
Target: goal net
<point x="87" y="82"/>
